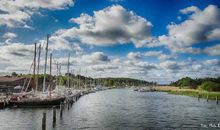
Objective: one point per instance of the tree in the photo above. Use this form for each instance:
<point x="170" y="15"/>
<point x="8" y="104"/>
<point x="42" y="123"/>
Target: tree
<point x="14" y="74"/>
<point x="210" y="86"/>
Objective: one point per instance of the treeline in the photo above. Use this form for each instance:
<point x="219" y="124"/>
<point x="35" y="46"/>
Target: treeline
<point x="208" y="84"/>
<point x="123" y="82"/>
<point x="78" y="81"/>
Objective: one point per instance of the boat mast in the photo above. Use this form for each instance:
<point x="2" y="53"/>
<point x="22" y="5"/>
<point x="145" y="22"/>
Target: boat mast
<point x="45" y="65"/>
<point x="57" y="73"/>
<point x="50" y="64"/>
<point x="50" y="85"/>
<point x="38" y="66"/>
<point x="68" y="70"/>
<point x="85" y="79"/>
<point x="35" y="51"/>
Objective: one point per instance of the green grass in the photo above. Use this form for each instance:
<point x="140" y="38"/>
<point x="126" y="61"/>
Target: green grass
<point x="202" y="94"/>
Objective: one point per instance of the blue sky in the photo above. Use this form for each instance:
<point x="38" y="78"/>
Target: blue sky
<point x="154" y="40"/>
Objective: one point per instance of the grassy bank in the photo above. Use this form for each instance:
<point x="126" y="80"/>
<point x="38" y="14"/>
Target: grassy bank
<point x="188" y="92"/>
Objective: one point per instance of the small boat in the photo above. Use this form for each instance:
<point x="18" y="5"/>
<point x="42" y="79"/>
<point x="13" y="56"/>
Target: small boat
<point x="99" y="88"/>
<point x="144" y="89"/>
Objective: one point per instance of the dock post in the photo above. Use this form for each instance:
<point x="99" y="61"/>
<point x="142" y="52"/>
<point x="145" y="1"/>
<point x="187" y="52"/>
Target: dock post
<point x="54" y="115"/>
<point x="207" y="98"/>
<point x="72" y="103"/>
<point x="61" y="109"/>
<point x="217" y="100"/>
<point x="4" y="104"/>
<point x="44" y="121"/>
<point x="198" y="97"/>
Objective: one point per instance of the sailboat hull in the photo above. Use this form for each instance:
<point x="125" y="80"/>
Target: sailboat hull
<point x="38" y="102"/>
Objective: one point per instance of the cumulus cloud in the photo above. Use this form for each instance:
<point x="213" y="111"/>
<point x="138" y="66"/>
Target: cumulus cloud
<point x="213" y="50"/>
<point x="201" y="26"/>
<point x="16" y="13"/>
<point x="212" y="62"/>
<point x="134" y="55"/>
<point x="172" y="65"/>
<point x="110" y="26"/>
<point x="16" y="56"/>
<point x="160" y="55"/>
<point x="190" y="9"/>
<point x="94" y="58"/>
<point x="9" y="35"/>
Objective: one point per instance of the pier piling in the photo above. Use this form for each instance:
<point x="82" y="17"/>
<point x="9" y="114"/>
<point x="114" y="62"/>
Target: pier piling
<point x="68" y="105"/>
<point x="44" y="121"/>
<point x="54" y="116"/>
<point x="61" y="109"/>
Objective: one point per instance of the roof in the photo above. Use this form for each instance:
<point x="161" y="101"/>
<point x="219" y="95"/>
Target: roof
<point x="9" y="79"/>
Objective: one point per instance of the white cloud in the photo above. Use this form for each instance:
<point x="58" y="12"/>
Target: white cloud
<point x="213" y="50"/>
<point x="16" y="55"/>
<point x="172" y="65"/>
<point x="191" y="9"/>
<point x="160" y="55"/>
<point x="9" y="35"/>
<point x="110" y="26"/>
<point x="94" y="58"/>
<point x="201" y="26"/>
<point x="16" y="13"/>
<point x="212" y="62"/>
<point x="134" y="55"/>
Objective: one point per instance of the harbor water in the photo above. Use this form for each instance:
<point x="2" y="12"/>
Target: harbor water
<point x="120" y="109"/>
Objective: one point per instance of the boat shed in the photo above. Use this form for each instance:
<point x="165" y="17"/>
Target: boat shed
<point x="10" y="84"/>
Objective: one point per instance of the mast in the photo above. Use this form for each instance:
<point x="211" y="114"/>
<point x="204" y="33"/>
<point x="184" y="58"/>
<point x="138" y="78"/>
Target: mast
<point x="57" y="73"/>
<point x="45" y="65"/>
<point x="50" y="85"/>
<point x="85" y="79"/>
<point x="38" y="66"/>
<point x="68" y="70"/>
<point x="50" y="64"/>
<point x="35" y="51"/>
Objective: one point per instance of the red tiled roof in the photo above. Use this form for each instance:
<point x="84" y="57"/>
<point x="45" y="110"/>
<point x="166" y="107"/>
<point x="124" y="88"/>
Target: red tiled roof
<point x="9" y="79"/>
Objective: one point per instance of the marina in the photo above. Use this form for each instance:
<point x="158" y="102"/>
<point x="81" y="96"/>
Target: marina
<point x="109" y="65"/>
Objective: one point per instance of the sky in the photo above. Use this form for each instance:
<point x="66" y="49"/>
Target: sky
<point x="152" y="40"/>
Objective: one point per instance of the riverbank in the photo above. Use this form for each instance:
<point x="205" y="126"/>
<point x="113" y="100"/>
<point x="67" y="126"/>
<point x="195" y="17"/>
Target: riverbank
<point x="188" y="92"/>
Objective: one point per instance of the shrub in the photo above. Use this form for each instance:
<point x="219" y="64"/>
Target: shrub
<point x="187" y="82"/>
<point x="210" y="86"/>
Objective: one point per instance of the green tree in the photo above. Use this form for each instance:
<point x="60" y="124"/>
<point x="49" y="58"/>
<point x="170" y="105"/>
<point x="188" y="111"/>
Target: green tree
<point x="210" y="86"/>
<point x="14" y="74"/>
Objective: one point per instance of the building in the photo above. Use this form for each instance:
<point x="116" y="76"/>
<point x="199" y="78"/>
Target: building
<point x="10" y="84"/>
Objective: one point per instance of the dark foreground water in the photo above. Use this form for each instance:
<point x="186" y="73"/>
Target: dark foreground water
<point x="121" y="109"/>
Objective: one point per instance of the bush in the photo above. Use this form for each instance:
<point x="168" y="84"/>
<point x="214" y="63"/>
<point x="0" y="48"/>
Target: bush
<point x="187" y="82"/>
<point x="210" y="86"/>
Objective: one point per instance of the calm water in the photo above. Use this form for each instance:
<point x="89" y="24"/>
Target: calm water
<point x="120" y="109"/>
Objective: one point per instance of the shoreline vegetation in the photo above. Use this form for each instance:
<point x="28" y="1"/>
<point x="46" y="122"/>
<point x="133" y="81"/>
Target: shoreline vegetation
<point x="208" y="88"/>
<point x="188" y="92"/>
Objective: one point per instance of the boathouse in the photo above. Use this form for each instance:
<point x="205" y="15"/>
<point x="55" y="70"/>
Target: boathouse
<point x="10" y="84"/>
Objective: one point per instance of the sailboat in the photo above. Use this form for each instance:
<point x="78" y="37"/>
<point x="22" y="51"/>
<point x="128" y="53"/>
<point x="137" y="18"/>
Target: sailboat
<point x="37" y="98"/>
